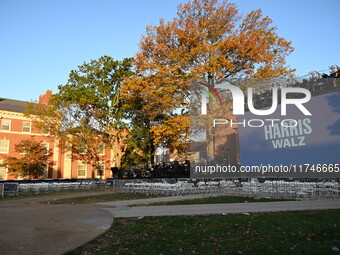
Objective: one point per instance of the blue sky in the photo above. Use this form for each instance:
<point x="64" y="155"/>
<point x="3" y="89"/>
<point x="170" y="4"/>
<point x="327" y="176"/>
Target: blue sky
<point x="42" y="41"/>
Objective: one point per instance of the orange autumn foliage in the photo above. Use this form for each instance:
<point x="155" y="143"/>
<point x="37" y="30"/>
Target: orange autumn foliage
<point x="207" y="40"/>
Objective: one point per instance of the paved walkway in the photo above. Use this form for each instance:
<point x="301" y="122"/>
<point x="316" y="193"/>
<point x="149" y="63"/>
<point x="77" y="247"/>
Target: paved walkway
<point x="30" y="228"/>
<point x="122" y="210"/>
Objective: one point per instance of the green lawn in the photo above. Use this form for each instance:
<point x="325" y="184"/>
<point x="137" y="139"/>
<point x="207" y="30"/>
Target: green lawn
<point x="303" y="232"/>
<point x="214" y="200"/>
<point x="114" y="196"/>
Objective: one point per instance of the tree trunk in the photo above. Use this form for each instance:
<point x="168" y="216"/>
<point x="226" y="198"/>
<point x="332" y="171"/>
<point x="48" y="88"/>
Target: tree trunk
<point x="210" y="132"/>
<point x="152" y="150"/>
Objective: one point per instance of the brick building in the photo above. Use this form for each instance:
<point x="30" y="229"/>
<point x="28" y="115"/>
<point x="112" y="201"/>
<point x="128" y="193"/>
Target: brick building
<point x="14" y="127"/>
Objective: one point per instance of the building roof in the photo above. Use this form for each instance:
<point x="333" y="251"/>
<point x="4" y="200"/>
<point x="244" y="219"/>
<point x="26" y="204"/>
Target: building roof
<point x="12" y="105"/>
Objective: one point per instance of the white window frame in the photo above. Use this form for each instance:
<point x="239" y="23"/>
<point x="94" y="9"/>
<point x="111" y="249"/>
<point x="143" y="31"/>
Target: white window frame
<point x="4" y="147"/>
<point x="9" y="125"/>
<point x="101" y="164"/>
<point x="23" y="126"/>
<point x="23" y="153"/>
<point x="45" y="175"/>
<point x="101" y="151"/>
<point x="81" y="163"/>
<point x="45" y="131"/>
<point x="47" y="146"/>
<point x="82" y="150"/>
<point x="6" y="172"/>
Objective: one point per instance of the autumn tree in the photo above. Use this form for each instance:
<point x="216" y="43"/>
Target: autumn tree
<point x="173" y="134"/>
<point x="86" y="113"/>
<point x="208" y="40"/>
<point x="32" y="164"/>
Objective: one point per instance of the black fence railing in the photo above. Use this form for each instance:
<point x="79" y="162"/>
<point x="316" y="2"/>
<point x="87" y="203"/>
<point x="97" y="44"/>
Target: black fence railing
<point x="161" y="170"/>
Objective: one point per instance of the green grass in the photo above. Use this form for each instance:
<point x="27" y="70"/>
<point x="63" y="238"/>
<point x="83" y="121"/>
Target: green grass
<point x="98" y="198"/>
<point x="302" y="232"/>
<point x="213" y="200"/>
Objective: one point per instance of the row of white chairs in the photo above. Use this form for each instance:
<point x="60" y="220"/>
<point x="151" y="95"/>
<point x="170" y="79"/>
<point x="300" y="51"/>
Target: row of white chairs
<point x="274" y="189"/>
<point x="55" y="186"/>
